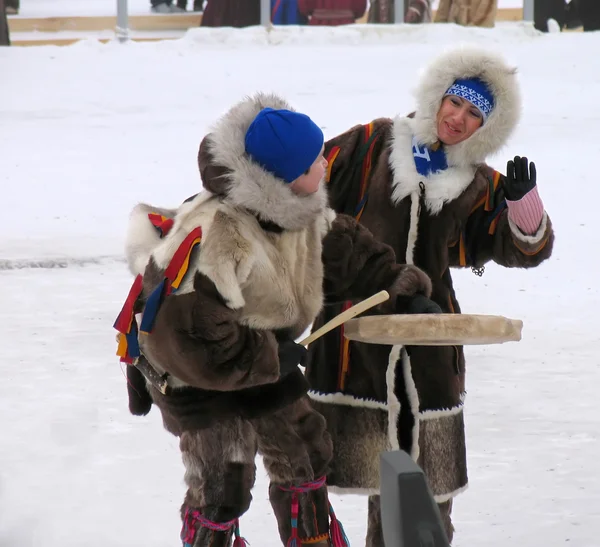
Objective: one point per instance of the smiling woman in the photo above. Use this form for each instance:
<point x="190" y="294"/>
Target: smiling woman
<point x="420" y="184"/>
<point x="465" y="107"/>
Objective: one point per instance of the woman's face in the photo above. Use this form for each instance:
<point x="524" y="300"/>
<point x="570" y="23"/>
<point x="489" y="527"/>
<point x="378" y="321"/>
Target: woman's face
<point x="457" y="120"/>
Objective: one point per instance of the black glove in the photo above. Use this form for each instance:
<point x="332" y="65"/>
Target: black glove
<point x="290" y="356"/>
<point x="418" y="303"/>
<point x="520" y="178"/>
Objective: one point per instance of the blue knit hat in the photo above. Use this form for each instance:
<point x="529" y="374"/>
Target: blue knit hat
<point x="476" y="92"/>
<point x="283" y="142"/>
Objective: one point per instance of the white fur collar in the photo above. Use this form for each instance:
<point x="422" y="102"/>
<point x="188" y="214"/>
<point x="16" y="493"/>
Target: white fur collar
<point x="249" y="186"/>
<point x="440" y="188"/>
<point x="469" y="62"/>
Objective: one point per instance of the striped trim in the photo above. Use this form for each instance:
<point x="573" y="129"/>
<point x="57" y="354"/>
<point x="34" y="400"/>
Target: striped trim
<point x="370" y="139"/>
<point x="162" y="223"/>
<point x="316" y="539"/>
<point x="331" y="157"/>
<point x="173" y="276"/>
<point x="344" y="365"/>
<point x="462" y="251"/>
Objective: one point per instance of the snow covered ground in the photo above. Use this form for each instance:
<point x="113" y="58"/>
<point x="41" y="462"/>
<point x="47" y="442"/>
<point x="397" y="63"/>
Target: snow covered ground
<point x="89" y="130"/>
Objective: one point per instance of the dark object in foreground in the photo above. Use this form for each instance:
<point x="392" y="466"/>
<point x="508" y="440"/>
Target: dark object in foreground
<point x="410" y="517"/>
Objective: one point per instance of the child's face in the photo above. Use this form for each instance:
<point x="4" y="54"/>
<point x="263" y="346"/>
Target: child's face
<point x="309" y="182"/>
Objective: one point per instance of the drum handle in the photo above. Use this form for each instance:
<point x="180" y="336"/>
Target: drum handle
<point x="350" y="313"/>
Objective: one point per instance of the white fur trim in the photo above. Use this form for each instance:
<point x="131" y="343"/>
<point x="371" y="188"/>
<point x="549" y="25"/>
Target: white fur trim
<point x="249" y="186"/>
<point x="443" y="498"/>
<point x="469" y="62"/>
<point x="413" y="230"/>
<point x="347" y="400"/>
<point x="392" y="400"/>
<point x="330" y="216"/>
<point x="534" y="239"/>
<point x="341" y="491"/>
<point x="413" y="399"/>
<point x="440" y="188"/>
<point x="141" y="238"/>
<point x="443" y="412"/>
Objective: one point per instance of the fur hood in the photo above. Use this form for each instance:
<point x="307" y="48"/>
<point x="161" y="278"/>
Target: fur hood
<point x="469" y="62"/>
<point x="227" y="171"/>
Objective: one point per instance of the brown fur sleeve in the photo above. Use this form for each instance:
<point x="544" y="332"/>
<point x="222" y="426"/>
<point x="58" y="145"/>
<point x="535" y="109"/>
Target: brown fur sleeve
<point x="356" y="265"/>
<point x="198" y="339"/>
<point x="513" y="249"/>
<point x="489" y="235"/>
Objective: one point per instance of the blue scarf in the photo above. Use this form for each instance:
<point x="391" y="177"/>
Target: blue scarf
<point x="428" y="160"/>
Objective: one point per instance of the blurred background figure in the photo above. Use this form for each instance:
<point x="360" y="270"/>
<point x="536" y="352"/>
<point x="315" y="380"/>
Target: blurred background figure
<point x="568" y="15"/>
<point x="231" y="13"/>
<point x="164" y="6"/>
<point x="332" y="12"/>
<point x="4" y="34"/>
<point x="469" y="13"/>
<point x="417" y="11"/>
<point x="583" y="13"/>
<point x="11" y="7"/>
<point x="286" y="12"/>
<point x="196" y="6"/>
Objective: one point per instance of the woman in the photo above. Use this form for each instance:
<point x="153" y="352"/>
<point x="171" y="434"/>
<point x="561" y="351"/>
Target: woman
<point x="420" y="184"/>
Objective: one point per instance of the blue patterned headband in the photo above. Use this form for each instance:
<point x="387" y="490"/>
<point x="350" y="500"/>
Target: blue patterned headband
<point x="476" y="92"/>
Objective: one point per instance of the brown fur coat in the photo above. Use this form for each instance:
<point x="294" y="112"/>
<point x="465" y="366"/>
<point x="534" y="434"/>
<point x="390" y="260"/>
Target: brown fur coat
<point x="377" y="397"/>
<point x="267" y="261"/>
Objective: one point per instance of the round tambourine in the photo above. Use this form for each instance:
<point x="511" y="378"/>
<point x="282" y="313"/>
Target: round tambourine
<point x="445" y="329"/>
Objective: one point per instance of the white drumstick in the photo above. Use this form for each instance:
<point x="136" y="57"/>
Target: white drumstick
<point x="350" y="313"/>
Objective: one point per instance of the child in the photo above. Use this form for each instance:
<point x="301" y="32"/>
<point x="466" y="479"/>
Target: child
<point x="242" y="270"/>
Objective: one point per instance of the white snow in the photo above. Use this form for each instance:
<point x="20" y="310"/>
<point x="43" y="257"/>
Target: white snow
<point x="89" y="130"/>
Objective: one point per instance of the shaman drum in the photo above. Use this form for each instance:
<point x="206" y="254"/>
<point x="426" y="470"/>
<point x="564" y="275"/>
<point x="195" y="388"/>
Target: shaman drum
<point x="445" y="329"/>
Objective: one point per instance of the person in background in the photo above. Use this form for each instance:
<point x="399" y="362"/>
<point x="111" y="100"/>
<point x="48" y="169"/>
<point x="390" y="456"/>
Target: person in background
<point x="332" y="12"/>
<point x="197" y="5"/>
<point x="162" y="6"/>
<point x="584" y="13"/>
<point x="469" y="13"/>
<point x="231" y="13"/>
<point x="11" y="7"/>
<point x="286" y="12"/>
<point x="589" y="11"/>
<point x="549" y="9"/>
<point x="4" y="32"/>
<point x="417" y="11"/>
